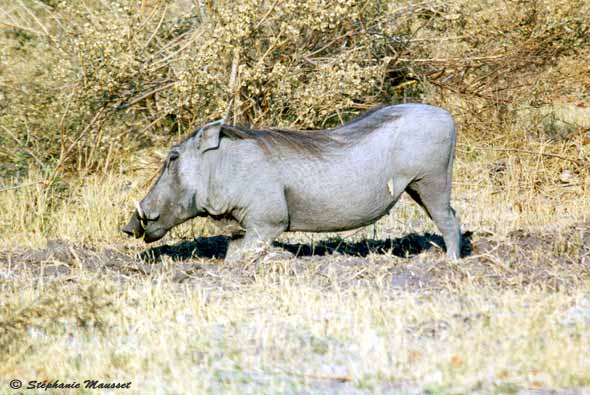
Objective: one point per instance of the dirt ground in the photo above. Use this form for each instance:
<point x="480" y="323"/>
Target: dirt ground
<point x="413" y="262"/>
<point x="413" y="265"/>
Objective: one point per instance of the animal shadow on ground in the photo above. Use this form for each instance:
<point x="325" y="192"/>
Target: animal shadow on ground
<point x="216" y="247"/>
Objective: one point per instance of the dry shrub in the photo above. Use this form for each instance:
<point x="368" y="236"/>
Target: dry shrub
<point x="89" y="82"/>
<point x="86" y="84"/>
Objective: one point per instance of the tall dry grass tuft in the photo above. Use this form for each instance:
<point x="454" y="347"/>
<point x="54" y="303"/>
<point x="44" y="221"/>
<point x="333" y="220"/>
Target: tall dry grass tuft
<point x="88" y="211"/>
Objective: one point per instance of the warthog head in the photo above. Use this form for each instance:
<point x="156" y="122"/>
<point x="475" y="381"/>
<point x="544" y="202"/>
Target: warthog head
<point x="172" y="200"/>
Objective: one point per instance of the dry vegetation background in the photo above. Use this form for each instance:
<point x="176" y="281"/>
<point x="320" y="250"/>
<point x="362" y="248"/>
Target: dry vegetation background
<point x="92" y="93"/>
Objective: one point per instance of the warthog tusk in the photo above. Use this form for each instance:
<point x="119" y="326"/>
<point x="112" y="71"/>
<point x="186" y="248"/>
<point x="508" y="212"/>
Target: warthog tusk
<point x="140" y="212"/>
<point x="390" y="187"/>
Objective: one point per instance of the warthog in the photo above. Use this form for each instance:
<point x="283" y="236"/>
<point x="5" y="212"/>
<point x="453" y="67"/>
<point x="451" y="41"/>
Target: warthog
<point x="272" y="181"/>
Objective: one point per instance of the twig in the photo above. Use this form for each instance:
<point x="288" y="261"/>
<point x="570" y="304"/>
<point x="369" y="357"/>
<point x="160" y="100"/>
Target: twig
<point x="64" y="156"/>
<point x="271" y="9"/>
<point x="232" y="83"/>
<point x="13" y="187"/>
<point x="61" y="125"/>
<point x="149" y="17"/>
<point x="341" y="379"/>
<point x="36" y="19"/>
<point x="155" y="121"/>
<point x="465" y="92"/>
<point x="201" y="6"/>
<point x="157" y="27"/>
<point x="146" y="95"/>
<point x="42" y="4"/>
<point x="234" y="70"/>
<point x="97" y="141"/>
<point x="169" y="56"/>
<point x="438" y="38"/>
<point x="14" y="25"/>
<point x="24" y="147"/>
<point x="449" y="60"/>
<point x="347" y="34"/>
<point x="404" y="84"/>
<point x="271" y="48"/>
<point x="169" y="44"/>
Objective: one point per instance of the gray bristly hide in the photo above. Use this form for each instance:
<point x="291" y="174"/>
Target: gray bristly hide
<point x="272" y="181"/>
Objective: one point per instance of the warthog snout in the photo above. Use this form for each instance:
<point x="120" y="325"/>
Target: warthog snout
<point x="144" y="224"/>
<point x="134" y="227"/>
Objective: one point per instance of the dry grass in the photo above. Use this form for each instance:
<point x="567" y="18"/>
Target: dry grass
<point x="285" y="332"/>
<point x="511" y="317"/>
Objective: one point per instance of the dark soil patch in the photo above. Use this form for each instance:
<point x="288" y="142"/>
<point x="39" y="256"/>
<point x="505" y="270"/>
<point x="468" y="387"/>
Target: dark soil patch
<point x="62" y="258"/>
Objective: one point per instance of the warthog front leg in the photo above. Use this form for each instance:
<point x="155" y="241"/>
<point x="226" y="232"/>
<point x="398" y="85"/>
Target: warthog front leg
<point x="264" y="220"/>
<point x="254" y="243"/>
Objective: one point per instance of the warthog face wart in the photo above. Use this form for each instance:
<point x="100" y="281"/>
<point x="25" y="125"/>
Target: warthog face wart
<point x="173" y="198"/>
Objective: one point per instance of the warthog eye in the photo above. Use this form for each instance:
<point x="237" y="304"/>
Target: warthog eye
<point x="171" y="158"/>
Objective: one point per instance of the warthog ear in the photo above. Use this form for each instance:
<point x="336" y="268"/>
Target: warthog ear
<point x="210" y="135"/>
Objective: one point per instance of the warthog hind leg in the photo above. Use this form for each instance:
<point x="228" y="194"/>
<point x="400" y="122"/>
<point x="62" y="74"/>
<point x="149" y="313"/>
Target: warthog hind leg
<point x="434" y="197"/>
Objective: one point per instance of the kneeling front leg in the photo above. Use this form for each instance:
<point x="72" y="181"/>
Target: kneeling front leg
<point x="254" y="242"/>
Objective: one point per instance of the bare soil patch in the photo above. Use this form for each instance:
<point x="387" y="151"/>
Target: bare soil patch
<point x="551" y="260"/>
